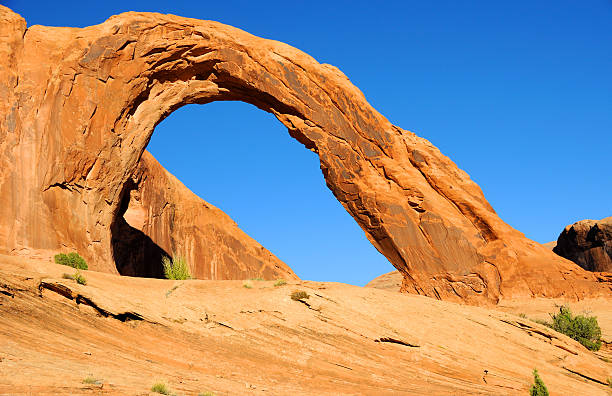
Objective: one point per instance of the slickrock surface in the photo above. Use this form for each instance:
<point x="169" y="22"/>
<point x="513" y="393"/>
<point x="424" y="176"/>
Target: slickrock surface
<point x="588" y="243"/>
<point x="391" y="281"/>
<point x="78" y="107"/>
<point x="159" y="215"/>
<point x="221" y="337"/>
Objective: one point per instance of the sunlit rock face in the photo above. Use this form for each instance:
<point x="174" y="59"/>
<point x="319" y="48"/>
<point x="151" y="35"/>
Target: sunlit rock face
<point x="159" y="216"/>
<point x="79" y="107"/>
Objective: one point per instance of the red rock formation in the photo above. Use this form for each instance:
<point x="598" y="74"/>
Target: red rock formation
<point x="588" y="243"/>
<point x="79" y="107"/>
<point x="159" y="216"/>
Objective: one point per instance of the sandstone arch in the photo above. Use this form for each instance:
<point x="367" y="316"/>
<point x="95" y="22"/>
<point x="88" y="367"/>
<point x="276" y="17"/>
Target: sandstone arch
<point x="85" y="113"/>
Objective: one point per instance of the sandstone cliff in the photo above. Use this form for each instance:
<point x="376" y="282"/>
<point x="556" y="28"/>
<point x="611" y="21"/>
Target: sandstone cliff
<point x="159" y="216"/>
<point x="79" y="106"/>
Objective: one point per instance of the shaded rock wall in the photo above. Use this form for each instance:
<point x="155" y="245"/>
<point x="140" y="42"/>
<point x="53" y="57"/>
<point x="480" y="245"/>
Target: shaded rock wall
<point x="588" y="243"/>
<point x="79" y="107"/>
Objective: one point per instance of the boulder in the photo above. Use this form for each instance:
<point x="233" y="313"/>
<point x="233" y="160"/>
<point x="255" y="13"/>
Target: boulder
<point x="587" y="243"/>
<point x="78" y="107"/>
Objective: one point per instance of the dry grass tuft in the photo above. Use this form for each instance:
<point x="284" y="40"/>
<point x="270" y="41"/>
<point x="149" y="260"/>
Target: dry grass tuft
<point x="299" y="295"/>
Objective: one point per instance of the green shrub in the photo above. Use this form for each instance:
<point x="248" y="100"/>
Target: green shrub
<point x="280" y="282"/>
<point x="68" y="276"/>
<point x="206" y="394"/>
<point x="583" y="329"/>
<point x="610" y="382"/>
<point x="538" y="388"/>
<point x="90" y="380"/>
<point x="176" y="268"/>
<point x="247" y="285"/>
<point x="257" y="279"/>
<point x="79" y="278"/>
<point x="71" y="259"/>
<point x="160" y="387"/>
<point x="299" y="295"/>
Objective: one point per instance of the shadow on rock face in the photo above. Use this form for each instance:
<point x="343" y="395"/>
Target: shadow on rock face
<point x="134" y="252"/>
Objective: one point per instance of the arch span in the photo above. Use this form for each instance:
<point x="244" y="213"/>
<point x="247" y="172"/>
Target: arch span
<point x="87" y="113"/>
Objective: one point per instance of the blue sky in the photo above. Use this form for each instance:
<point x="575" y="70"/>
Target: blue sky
<point x="517" y="93"/>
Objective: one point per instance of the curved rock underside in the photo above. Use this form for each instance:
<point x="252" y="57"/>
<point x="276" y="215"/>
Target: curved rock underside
<point x="79" y="107"/>
<point x="588" y="243"/>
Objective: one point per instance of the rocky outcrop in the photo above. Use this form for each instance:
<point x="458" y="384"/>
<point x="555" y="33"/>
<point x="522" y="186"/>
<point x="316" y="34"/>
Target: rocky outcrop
<point x="159" y="216"/>
<point x="587" y="243"/>
<point x="79" y="106"/>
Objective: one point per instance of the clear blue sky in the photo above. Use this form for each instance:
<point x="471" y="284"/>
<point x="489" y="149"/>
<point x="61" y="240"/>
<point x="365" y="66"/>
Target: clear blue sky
<point x="517" y="93"/>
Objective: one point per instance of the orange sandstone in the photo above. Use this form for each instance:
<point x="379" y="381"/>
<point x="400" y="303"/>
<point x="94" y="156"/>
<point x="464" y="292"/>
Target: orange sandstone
<point x="79" y="106"/>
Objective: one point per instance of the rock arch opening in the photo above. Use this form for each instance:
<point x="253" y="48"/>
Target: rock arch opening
<point x="242" y="161"/>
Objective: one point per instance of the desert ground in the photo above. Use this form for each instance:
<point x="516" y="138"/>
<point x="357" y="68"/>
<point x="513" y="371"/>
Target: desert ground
<point x="225" y="338"/>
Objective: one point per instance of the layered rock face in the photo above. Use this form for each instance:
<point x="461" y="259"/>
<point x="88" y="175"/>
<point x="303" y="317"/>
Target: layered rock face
<point x="588" y="243"/>
<point x="79" y="106"/>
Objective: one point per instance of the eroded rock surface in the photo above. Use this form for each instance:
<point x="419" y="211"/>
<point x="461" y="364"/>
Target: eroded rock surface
<point x="588" y="243"/>
<point x="79" y="106"/>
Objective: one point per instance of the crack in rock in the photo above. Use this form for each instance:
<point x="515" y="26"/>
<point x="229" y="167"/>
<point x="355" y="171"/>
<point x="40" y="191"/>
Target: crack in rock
<point x="68" y="293"/>
<point x="396" y="341"/>
<point x="586" y="376"/>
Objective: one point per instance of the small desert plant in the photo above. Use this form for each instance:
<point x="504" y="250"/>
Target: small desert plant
<point x="299" y="295"/>
<point x="247" y="285"/>
<point x="280" y="282"/>
<point x="71" y="259"/>
<point x="583" y="329"/>
<point x="257" y="279"/>
<point x="160" y="387"/>
<point x="538" y="388"/>
<point x="206" y="394"/>
<point x="90" y="380"/>
<point x="522" y="315"/>
<point x="79" y="278"/>
<point x="610" y="382"/>
<point x="176" y="268"/>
